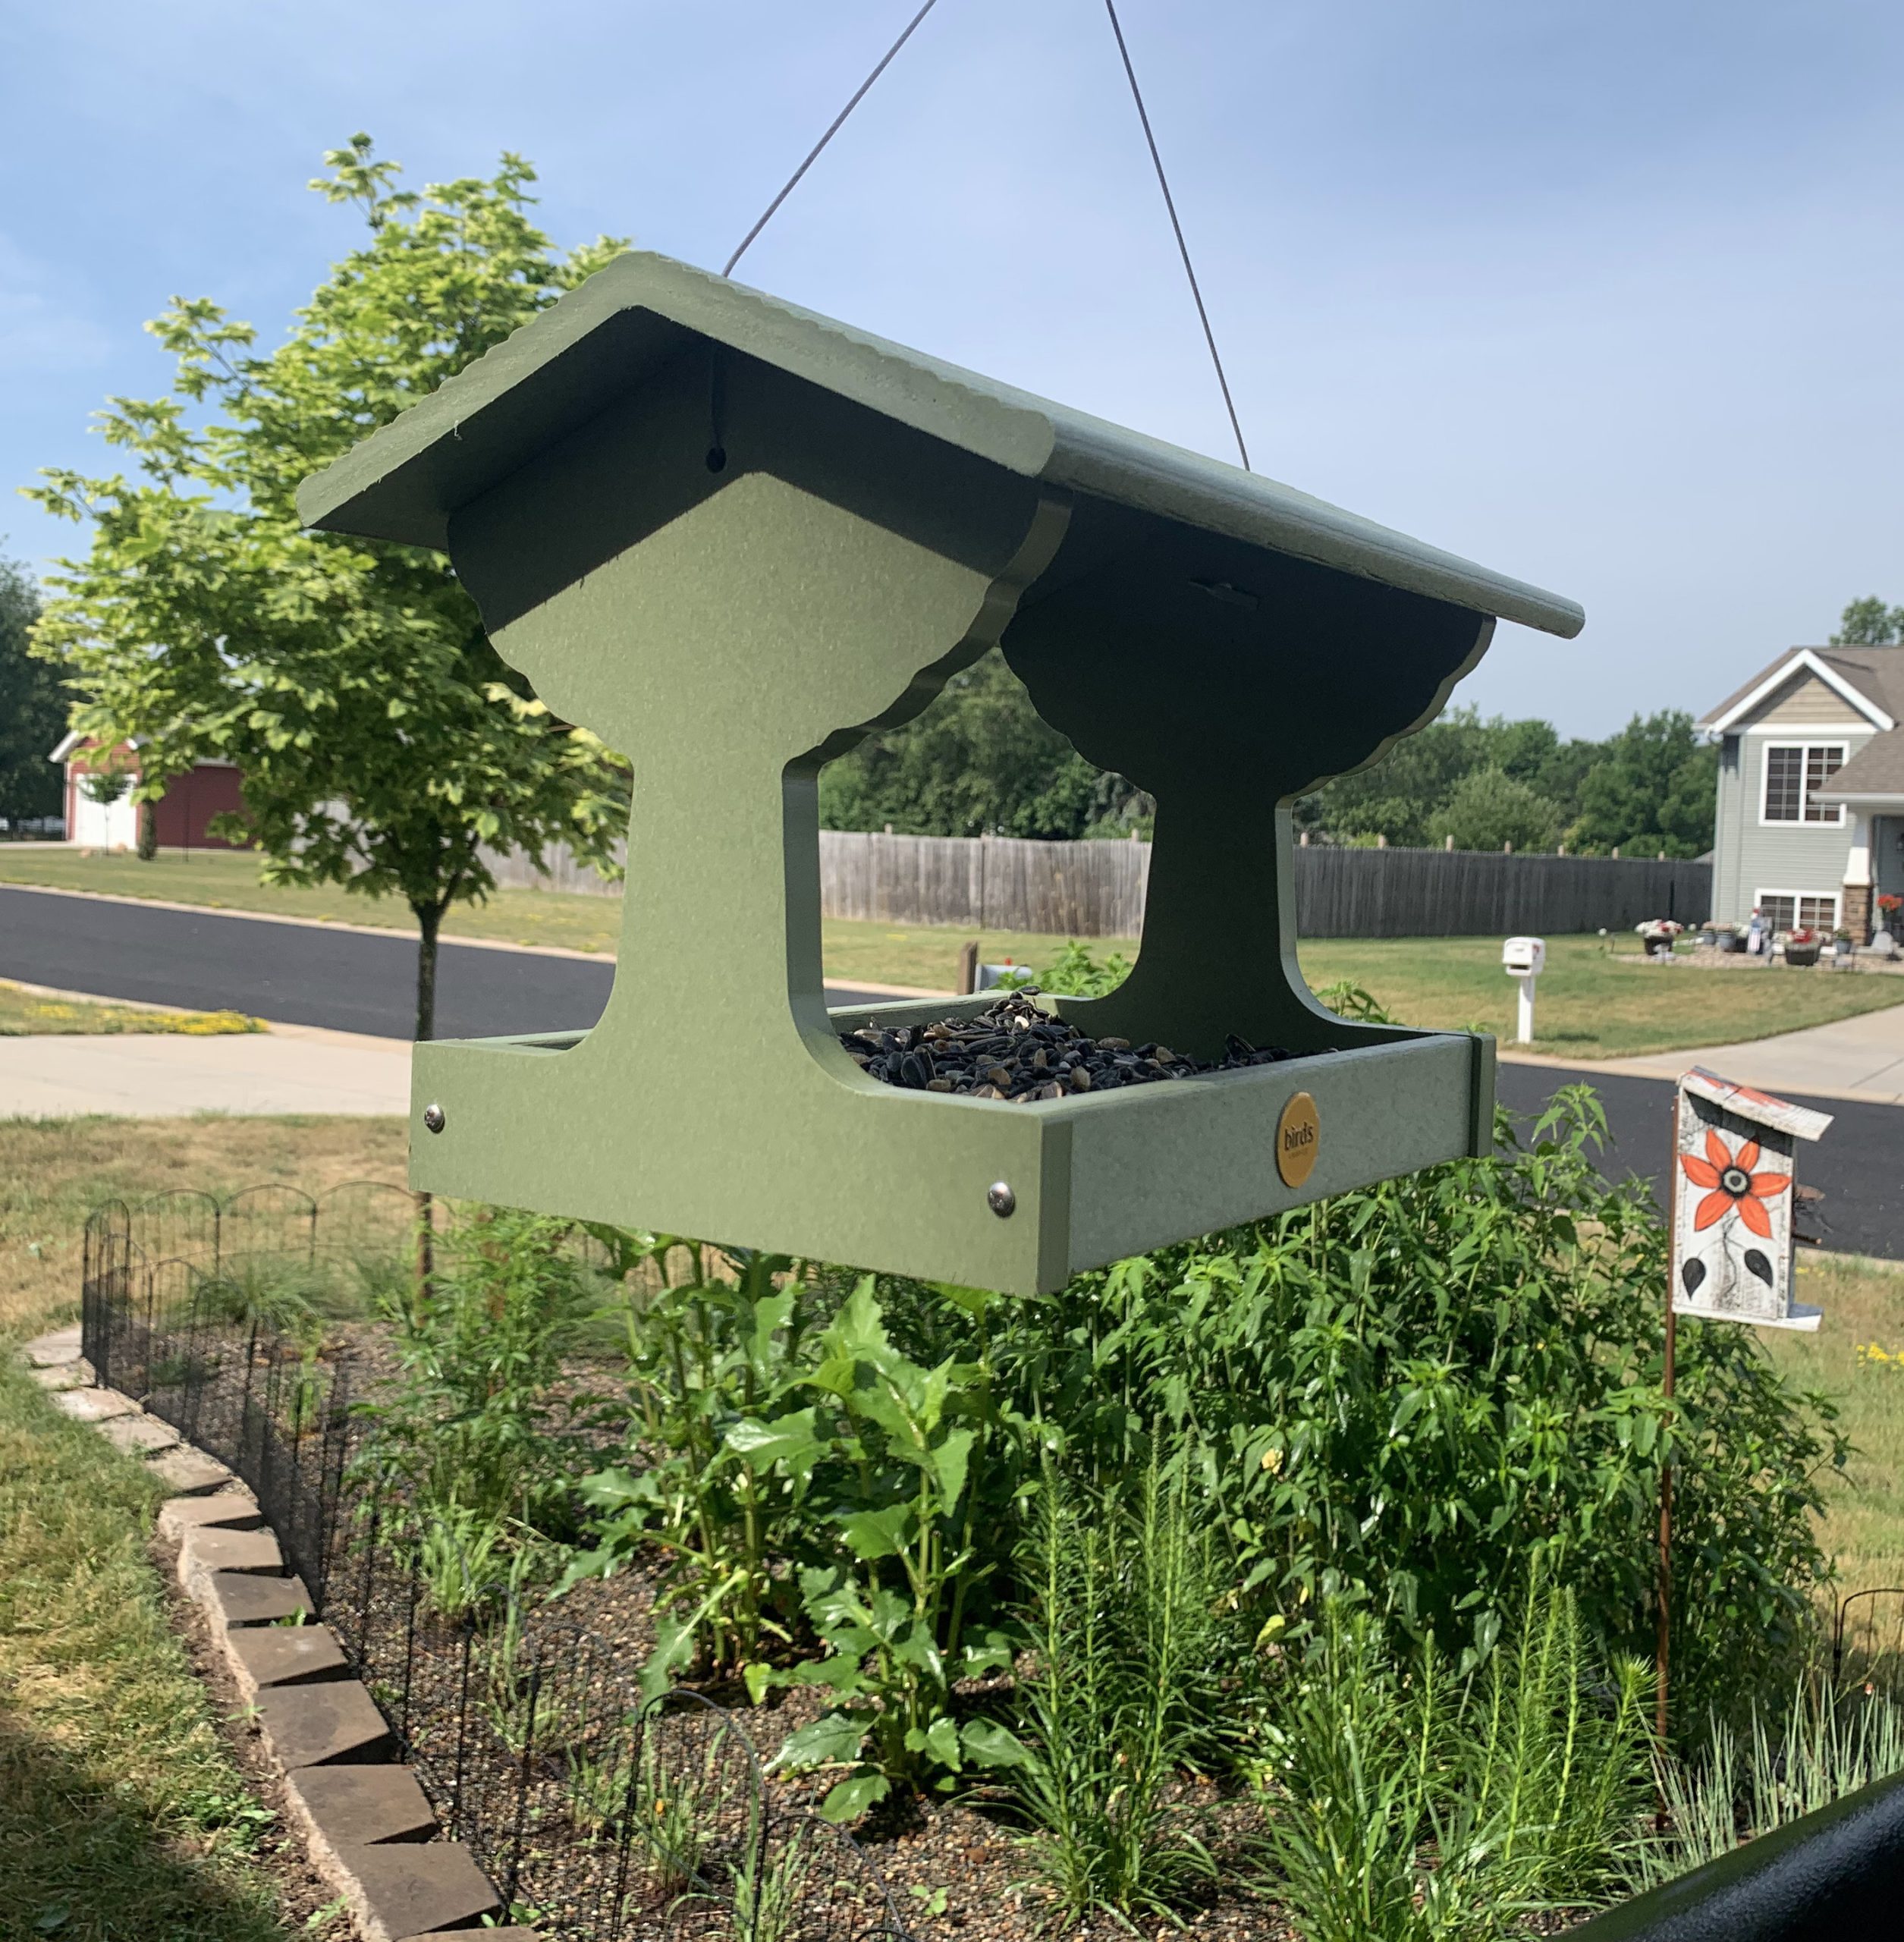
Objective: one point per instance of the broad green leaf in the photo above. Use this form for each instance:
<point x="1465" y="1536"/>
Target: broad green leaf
<point x="829" y="1741"/>
<point x="851" y="1799"/>
<point x="989" y="1744"/>
<point x="788" y="1439"/>
<point x="951" y="1459"/>
<point x="877" y="1534"/>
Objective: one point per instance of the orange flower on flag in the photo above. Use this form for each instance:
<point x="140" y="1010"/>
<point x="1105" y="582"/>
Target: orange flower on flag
<point x="1735" y="1188"/>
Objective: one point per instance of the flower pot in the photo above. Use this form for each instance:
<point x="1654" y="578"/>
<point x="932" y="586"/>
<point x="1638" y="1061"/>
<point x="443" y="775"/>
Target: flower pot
<point x="1730" y="941"/>
<point x="1801" y="953"/>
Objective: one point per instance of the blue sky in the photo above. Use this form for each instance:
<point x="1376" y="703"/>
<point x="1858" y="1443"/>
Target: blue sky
<point x="1607" y="296"/>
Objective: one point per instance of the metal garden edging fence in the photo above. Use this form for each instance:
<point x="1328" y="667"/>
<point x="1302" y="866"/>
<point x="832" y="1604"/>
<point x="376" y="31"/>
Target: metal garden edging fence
<point x="598" y="1816"/>
<point x="1088" y="890"/>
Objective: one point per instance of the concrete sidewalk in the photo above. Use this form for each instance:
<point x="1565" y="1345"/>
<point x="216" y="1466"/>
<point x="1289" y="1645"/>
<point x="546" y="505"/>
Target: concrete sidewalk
<point x="289" y="1069"/>
<point x="1859" y="1058"/>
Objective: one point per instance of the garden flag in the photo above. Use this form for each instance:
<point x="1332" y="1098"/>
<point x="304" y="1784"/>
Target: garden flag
<point x="1732" y="1190"/>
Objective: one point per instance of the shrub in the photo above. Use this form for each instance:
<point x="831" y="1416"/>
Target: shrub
<point x="1414" y="1389"/>
<point x="1403" y="1394"/>
<point x="813" y="1483"/>
<point x="1075" y="973"/>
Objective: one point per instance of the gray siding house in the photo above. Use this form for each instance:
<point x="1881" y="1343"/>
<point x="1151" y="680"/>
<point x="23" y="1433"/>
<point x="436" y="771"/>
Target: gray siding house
<point x="1810" y="828"/>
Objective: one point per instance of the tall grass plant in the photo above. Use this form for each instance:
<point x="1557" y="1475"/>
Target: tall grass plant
<point x="1125" y="1633"/>
<point x="1783" y="1761"/>
<point x="1406" y="1801"/>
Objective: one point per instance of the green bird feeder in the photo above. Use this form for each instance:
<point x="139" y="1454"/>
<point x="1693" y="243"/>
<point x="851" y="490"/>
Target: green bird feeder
<point x="732" y="538"/>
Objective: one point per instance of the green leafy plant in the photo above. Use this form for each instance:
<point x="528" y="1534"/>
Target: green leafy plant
<point x="476" y="1449"/>
<point x="1075" y="973"/>
<point x="1347" y="999"/>
<point x="719" y="1496"/>
<point x="1411" y="1804"/>
<point x="1125" y="1633"/>
<point x="900" y="1456"/>
<point x="1410" y="1389"/>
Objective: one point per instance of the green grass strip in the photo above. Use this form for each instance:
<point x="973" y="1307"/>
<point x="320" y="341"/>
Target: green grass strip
<point x="122" y="1817"/>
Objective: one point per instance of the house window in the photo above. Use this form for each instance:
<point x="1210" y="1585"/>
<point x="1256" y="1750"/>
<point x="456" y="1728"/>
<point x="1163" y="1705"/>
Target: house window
<point x="1791" y="910"/>
<point x="1795" y="772"/>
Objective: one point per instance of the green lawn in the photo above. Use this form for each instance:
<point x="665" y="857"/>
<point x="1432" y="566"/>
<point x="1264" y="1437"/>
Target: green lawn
<point x="1593" y="1003"/>
<point x="1597" y="1001"/>
<point x="227" y="880"/>
<point x="123" y="1819"/>
<point x="1864" y="1304"/>
<point x="25" y="1014"/>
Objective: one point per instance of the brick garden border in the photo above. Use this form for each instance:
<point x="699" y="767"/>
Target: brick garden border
<point x="368" y="1829"/>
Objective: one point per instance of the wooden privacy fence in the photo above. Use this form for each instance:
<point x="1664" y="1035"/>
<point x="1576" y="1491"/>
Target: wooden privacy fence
<point x="1485" y="893"/>
<point x="1096" y="890"/>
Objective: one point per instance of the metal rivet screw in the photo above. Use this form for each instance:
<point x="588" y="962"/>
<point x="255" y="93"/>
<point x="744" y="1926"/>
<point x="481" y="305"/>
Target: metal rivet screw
<point x="1001" y="1200"/>
<point x="433" y="1117"/>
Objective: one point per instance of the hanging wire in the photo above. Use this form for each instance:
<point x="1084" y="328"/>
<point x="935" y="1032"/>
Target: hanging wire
<point x="839" y="122"/>
<point x="1183" y="248"/>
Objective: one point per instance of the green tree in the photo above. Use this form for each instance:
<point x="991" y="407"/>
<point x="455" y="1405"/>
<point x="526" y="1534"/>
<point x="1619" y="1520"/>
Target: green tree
<point x="979" y="761"/>
<point x="1654" y="788"/>
<point x="1869" y="624"/>
<point x="380" y="738"/>
<point x="33" y="706"/>
<point x="1397" y="797"/>
<point x="1488" y="807"/>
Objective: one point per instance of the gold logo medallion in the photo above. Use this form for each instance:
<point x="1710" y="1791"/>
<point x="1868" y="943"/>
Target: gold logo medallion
<point x="1299" y="1138"/>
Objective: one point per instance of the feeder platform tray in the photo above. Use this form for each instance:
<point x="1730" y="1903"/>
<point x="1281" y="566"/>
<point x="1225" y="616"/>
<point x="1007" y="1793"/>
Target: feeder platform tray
<point x="732" y="538"/>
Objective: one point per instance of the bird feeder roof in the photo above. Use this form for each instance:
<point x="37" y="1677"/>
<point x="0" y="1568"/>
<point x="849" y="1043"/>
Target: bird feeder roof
<point x="1761" y="1108"/>
<point x="643" y="310"/>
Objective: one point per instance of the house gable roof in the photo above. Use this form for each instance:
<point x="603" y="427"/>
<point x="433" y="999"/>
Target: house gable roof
<point x="1869" y="679"/>
<point x="1874" y="774"/>
<point x="642" y="310"/>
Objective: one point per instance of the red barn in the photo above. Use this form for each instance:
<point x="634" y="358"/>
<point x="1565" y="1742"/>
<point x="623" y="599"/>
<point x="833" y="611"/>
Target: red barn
<point x="189" y="804"/>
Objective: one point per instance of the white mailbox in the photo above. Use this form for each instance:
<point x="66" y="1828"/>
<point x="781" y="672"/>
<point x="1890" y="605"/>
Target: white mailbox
<point x="1524" y="957"/>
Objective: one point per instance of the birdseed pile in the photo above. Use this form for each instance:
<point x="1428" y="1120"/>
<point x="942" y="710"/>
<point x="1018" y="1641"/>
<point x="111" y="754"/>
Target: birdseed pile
<point x="1013" y="1050"/>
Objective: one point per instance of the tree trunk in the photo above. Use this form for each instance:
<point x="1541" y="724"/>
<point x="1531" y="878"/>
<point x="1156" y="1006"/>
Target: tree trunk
<point x="429" y="917"/>
<point x="148" y="832"/>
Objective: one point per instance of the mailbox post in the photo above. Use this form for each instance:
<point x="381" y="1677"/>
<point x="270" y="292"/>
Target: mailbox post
<point x="1524" y="959"/>
<point x="732" y="538"/>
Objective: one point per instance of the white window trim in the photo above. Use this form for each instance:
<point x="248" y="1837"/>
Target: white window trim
<point x="1835" y="898"/>
<point x="1805" y="744"/>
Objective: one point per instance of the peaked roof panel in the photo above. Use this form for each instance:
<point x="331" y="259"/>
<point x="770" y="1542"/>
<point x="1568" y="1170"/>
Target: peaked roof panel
<point x="1863" y="677"/>
<point x="403" y="482"/>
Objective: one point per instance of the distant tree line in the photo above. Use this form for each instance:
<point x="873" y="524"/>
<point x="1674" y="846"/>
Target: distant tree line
<point x="1649" y="788"/>
<point x="980" y="761"/>
<point x="32" y="707"/>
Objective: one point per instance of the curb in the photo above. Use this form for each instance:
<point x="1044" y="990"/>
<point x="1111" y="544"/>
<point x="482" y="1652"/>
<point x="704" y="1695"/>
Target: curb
<point x="368" y="1829"/>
